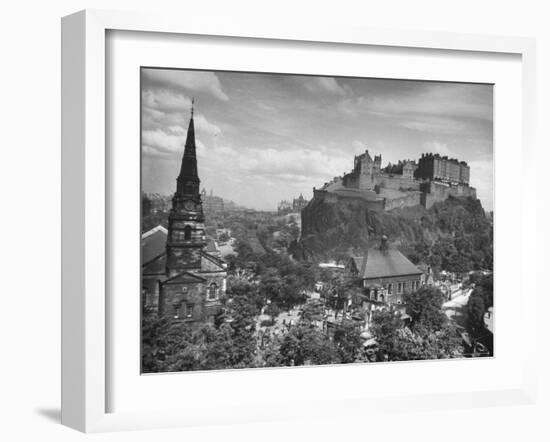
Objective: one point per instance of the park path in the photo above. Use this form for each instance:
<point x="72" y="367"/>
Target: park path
<point x="455" y="309"/>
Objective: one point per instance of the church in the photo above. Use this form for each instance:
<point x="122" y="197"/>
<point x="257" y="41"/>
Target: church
<point x="179" y="277"/>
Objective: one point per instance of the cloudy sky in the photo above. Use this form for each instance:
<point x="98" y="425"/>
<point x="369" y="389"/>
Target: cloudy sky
<point x="262" y="138"/>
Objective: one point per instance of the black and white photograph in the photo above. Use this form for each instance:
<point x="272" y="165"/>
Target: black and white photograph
<point x="296" y="220"/>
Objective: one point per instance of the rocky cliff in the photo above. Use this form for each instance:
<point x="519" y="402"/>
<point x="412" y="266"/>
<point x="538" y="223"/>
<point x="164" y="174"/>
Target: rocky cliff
<point x="454" y="234"/>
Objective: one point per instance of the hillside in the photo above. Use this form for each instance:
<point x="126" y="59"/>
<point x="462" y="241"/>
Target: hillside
<point x="454" y="235"/>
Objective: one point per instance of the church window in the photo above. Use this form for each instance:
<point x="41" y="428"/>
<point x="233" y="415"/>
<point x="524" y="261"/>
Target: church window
<point x="189" y="310"/>
<point x="184" y="289"/>
<point x="177" y="311"/>
<point x="390" y="288"/>
<point x="187" y="232"/>
<point x="212" y="291"/>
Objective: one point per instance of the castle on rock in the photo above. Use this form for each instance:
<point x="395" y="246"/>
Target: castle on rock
<point x="433" y="178"/>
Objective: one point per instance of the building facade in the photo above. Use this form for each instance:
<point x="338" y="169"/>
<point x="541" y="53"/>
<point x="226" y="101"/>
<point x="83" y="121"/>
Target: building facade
<point x="212" y="203"/>
<point x="184" y="282"/>
<point x="383" y="276"/>
<point x="435" y="167"/>
<point x="365" y="170"/>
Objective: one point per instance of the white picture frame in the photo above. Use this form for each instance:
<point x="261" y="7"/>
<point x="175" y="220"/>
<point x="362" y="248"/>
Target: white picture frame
<point x="85" y="202"/>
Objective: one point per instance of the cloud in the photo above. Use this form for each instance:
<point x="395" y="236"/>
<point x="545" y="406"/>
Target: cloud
<point x="481" y="177"/>
<point x="165" y="100"/>
<point x="162" y="141"/>
<point x="438" y="147"/>
<point x="326" y="84"/>
<point x="164" y="110"/>
<point x="455" y="101"/>
<point x="425" y="107"/>
<point x="196" y="81"/>
<point x="291" y="164"/>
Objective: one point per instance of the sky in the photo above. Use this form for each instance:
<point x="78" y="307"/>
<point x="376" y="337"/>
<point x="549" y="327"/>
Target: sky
<point x="263" y="138"/>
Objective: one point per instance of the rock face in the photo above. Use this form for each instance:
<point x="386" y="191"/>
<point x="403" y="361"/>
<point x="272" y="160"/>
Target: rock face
<point x="334" y="230"/>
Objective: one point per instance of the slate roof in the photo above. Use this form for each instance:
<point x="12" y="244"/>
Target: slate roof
<point x="153" y="244"/>
<point x="156" y="266"/>
<point x="383" y="264"/>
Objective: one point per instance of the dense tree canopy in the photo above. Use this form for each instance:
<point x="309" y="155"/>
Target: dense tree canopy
<point x="479" y="303"/>
<point x="424" y="308"/>
<point x="398" y="343"/>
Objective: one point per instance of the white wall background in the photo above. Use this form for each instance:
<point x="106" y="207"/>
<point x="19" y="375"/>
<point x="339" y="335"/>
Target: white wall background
<point x="30" y="215"/>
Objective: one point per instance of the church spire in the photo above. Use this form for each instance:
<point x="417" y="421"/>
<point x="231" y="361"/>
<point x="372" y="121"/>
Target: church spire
<point x="188" y="179"/>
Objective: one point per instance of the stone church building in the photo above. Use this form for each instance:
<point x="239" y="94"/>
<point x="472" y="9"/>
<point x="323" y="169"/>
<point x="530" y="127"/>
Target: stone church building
<point x="179" y="277"/>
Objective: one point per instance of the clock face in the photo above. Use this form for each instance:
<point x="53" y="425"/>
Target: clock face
<point x="189" y="205"/>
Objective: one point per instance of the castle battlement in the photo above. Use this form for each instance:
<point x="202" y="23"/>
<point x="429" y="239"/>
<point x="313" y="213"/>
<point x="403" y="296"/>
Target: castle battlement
<point x="433" y="178"/>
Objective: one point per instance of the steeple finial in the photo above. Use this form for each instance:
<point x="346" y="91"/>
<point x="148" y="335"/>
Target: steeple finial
<point x="192" y="106"/>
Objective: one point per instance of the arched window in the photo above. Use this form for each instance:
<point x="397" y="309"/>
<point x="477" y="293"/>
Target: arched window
<point x="187" y="233"/>
<point x="212" y="291"/>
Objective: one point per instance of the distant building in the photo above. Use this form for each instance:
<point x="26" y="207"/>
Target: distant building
<point x="154" y="203"/>
<point x="284" y="207"/>
<point x="435" y="167"/>
<point x="299" y="203"/>
<point x="409" y="169"/>
<point x="212" y="203"/>
<point x="383" y="275"/>
<point x="179" y="276"/>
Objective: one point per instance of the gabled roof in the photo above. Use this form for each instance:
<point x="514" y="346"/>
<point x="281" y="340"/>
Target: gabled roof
<point x="184" y="277"/>
<point x="383" y="264"/>
<point x="156" y="266"/>
<point x="153" y="244"/>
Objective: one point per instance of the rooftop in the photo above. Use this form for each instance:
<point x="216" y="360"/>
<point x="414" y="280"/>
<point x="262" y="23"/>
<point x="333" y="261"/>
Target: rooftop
<point x="153" y="243"/>
<point x="383" y="264"/>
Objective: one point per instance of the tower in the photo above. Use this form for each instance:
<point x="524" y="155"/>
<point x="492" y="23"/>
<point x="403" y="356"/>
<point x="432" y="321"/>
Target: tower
<point x="186" y="232"/>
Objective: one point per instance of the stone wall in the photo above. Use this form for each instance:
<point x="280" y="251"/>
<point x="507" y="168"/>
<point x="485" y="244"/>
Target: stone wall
<point x="189" y="301"/>
<point x="435" y="192"/>
<point x="396" y="182"/>
<point x="409" y="199"/>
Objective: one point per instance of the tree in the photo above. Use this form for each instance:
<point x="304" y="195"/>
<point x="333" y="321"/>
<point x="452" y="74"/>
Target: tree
<point x="272" y="310"/>
<point x="398" y="343"/>
<point x="425" y="308"/>
<point x="153" y="341"/>
<point x="479" y="302"/>
<point x="269" y="352"/>
<point x="348" y="342"/>
<point x="305" y="345"/>
<point x="243" y="311"/>
<point x="224" y="237"/>
<point x="385" y="326"/>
